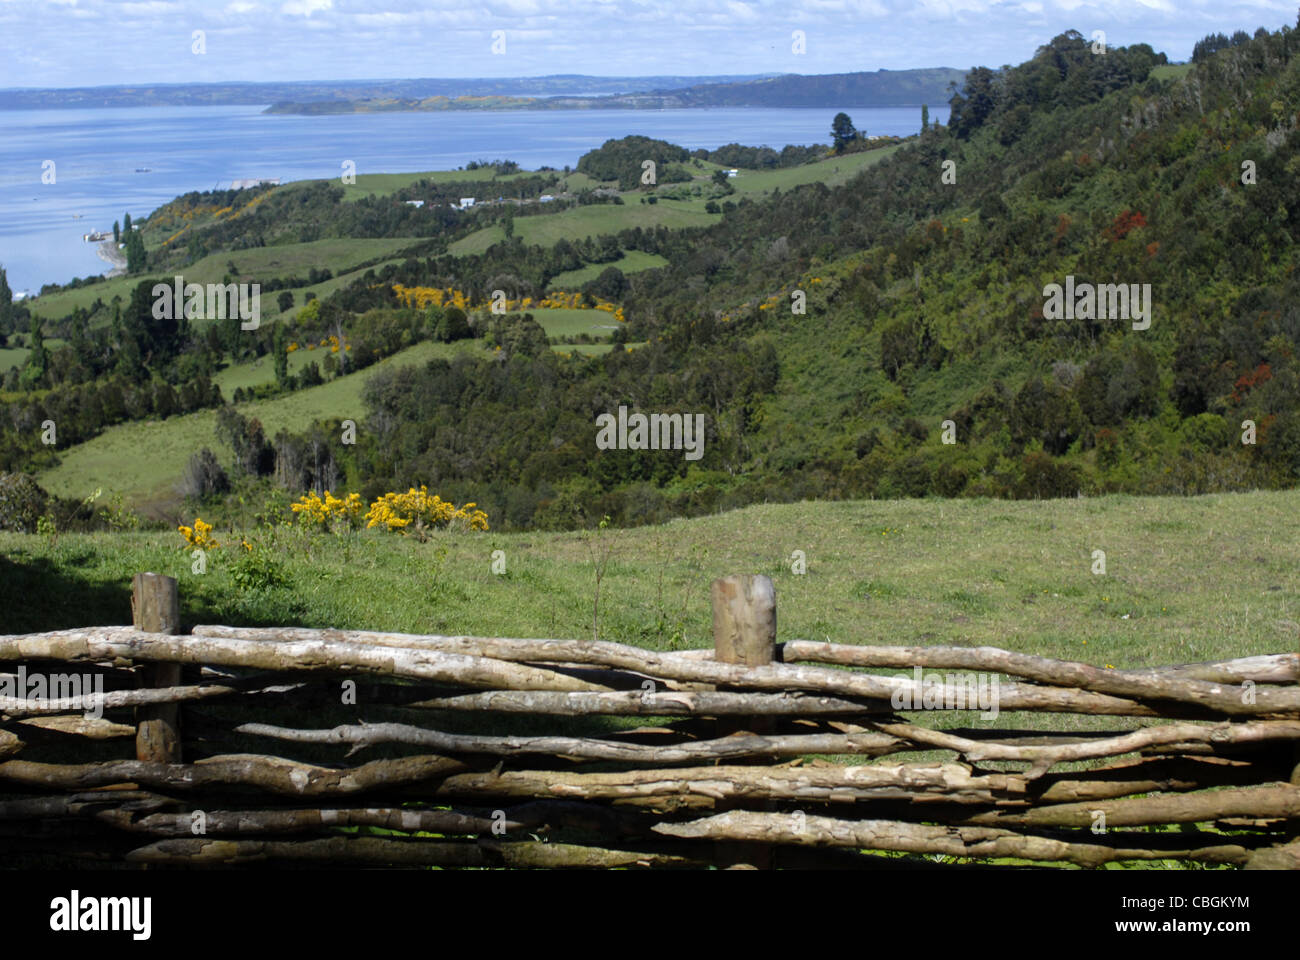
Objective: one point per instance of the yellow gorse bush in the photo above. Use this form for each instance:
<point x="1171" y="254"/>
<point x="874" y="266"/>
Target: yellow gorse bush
<point x="398" y="511"/>
<point x="393" y="511"/>
<point x="310" y="508"/>
<point x="421" y="297"/>
<point x="199" y="535"/>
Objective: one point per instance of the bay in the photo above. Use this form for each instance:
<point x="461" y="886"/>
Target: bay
<point x="97" y="153"/>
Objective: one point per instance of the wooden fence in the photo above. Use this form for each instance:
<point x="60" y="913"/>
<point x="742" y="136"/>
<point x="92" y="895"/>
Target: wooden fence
<point x="735" y="770"/>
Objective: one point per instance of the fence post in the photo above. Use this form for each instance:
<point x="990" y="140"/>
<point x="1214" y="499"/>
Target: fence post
<point x="156" y="608"/>
<point x="744" y="632"/>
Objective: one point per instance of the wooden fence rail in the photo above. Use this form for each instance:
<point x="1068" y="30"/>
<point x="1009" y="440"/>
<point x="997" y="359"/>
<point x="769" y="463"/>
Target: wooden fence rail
<point x="259" y="765"/>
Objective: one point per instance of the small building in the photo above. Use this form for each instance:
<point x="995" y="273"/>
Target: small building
<point x="415" y="203"/>
<point x="545" y="198"/>
<point x="733" y="173"/>
<point x="254" y="182"/>
<point x="466" y="202"/>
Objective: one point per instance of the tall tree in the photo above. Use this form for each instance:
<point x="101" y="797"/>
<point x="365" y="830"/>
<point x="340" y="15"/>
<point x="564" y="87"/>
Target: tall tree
<point x="136" y="258"/>
<point x="38" y="360"/>
<point x="117" y="232"/>
<point x="842" y="131"/>
<point x="126" y="223"/>
<point x="925" y="117"/>
<point x="6" y="305"/>
<point x="280" y="348"/>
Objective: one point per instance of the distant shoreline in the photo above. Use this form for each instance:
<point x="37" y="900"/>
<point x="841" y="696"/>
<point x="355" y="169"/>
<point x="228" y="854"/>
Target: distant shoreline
<point x="108" y="252"/>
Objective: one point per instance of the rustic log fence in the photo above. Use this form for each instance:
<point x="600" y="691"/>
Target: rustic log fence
<point x="761" y="754"/>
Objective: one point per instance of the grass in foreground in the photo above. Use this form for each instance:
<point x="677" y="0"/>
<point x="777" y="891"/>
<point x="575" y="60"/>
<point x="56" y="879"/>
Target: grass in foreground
<point x="1187" y="579"/>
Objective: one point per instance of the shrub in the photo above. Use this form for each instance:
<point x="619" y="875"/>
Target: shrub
<point x="22" y="502"/>
<point x="1043" y="477"/>
<point x="199" y="535"/>
<point x="415" y="510"/>
<point x="256" y="569"/>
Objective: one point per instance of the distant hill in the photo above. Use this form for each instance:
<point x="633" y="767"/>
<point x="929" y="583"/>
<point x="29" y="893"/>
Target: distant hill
<point x="884" y="88"/>
<point x="312" y="91"/>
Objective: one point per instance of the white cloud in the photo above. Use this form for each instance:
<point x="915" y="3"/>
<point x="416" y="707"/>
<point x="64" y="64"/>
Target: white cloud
<point x="305" y="8"/>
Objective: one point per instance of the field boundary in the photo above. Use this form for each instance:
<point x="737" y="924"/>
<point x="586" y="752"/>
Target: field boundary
<point x="732" y="774"/>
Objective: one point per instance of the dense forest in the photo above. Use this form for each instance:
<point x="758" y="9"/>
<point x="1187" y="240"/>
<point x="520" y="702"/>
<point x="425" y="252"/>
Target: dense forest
<point x="883" y="338"/>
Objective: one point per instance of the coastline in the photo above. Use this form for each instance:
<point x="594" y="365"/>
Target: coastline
<point x="108" y="252"/>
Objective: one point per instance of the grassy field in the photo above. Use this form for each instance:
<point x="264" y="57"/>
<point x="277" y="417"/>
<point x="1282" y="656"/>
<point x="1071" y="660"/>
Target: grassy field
<point x="262" y="370"/>
<point x="17" y="356"/>
<point x="578" y="222"/>
<point x="632" y="261"/>
<point x="832" y="171"/>
<point x="144" y="460"/>
<point x="1187" y="579"/>
<point x="254" y="266"/>
<point x="386" y="184"/>
<point x="1171" y="71"/>
<point x="570" y="323"/>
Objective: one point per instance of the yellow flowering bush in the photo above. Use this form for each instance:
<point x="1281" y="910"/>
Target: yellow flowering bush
<point x="312" y="509"/>
<point x="421" y="297"/>
<point x="199" y="535"/>
<point x="416" y="509"/>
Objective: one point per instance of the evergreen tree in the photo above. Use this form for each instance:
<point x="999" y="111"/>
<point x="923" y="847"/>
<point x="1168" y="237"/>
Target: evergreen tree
<point x="6" y="305"/>
<point x="925" y="117"/>
<point x="117" y="232"/>
<point x="842" y="131"/>
<point x="126" y="224"/>
<point x="136" y="258"/>
<point x="38" y="360"/>
<point x="280" y="348"/>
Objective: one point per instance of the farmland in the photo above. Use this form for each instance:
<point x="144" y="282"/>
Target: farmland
<point x="1018" y="575"/>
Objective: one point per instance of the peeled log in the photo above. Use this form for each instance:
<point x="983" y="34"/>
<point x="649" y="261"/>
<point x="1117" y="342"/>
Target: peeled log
<point x="773" y="677"/>
<point x="1272" y="668"/>
<point x="1284" y="856"/>
<point x="1268" y="801"/>
<point x="91" y="728"/>
<point x="9" y="744"/>
<point x="276" y="775"/>
<point x="113" y="699"/>
<point x="696" y="786"/>
<point x="106" y="643"/>
<point x="981" y="842"/>
<point x="724" y="748"/>
<point x="378" y="851"/>
<point x="1045" y="757"/>
<point x="635" y="703"/>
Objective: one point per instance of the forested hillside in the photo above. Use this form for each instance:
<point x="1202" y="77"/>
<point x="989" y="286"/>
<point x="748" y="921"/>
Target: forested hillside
<point x="890" y="336"/>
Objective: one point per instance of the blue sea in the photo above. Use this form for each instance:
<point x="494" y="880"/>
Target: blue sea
<point x="97" y="154"/>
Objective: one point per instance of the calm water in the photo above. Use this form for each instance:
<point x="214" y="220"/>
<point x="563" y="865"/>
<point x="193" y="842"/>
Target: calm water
<point x="96" y="154"/>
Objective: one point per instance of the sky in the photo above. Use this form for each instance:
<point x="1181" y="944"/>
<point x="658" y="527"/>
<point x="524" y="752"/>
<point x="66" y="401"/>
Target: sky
<point x="67" y="43"/>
